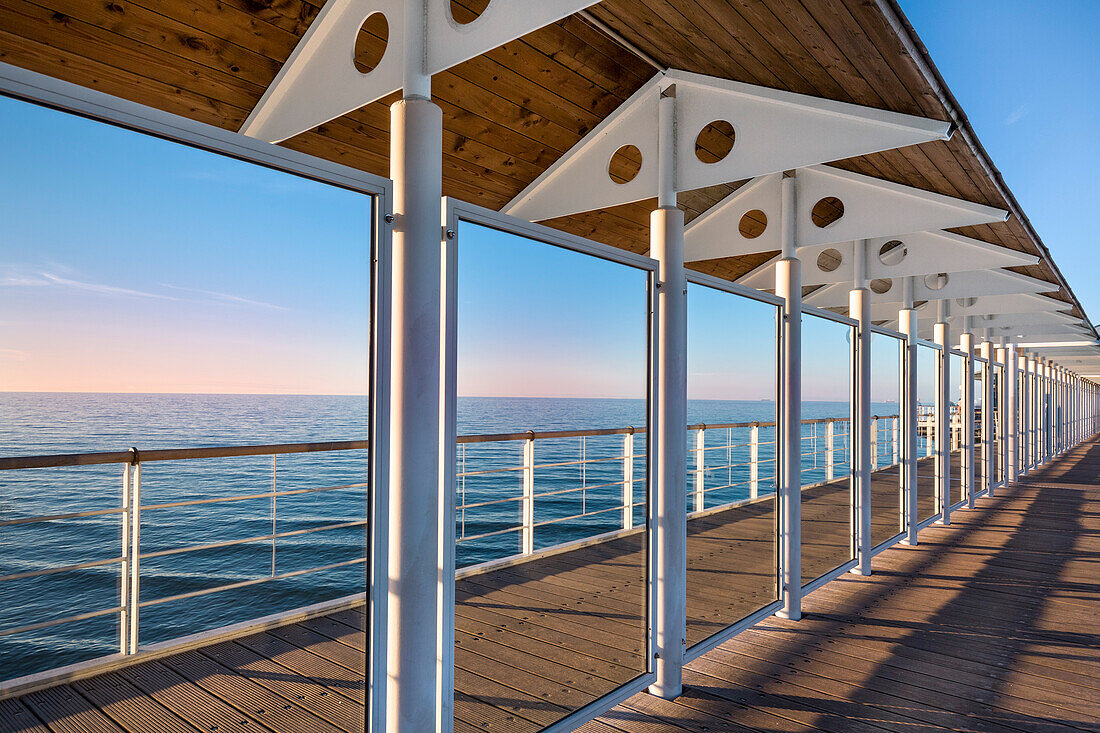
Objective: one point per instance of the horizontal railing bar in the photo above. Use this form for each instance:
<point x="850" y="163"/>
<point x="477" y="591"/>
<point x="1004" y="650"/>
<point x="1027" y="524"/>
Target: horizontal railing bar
<point x="245" y="497"/>
<point x="51" y="571"/>
<point x="57" y="622"/>
<point x="245" y="583"/>
<point x="51" y="517"/>
<point x="174" y="454"/>
<point x="245" y="540"/>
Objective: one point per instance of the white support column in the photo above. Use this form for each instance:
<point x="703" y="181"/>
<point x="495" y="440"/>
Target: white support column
<point x="907" y="321"/>
<point x="1025" y="415"/>
<point x="417" y="678"/>
<point x="788" y="285"/>
<point x="1049" y="392"/>
<point x="966" y="400"/>
<point x="988" y="444"/>
<point x="859" y="308"/>
<point x="666" y="228"/>
<point x="942" y="336"/>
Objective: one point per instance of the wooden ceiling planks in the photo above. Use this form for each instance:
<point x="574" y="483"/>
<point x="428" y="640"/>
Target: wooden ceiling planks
<point x="511" y="112"/>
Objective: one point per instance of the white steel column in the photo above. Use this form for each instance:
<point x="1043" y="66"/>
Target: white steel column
<point x="666" y="225"/>
<point x="942" y="336"/>
<point x="907" y="323"/>
<point x="1011" y="415"/>
<point x="1049" y="391"/>
<point x="987" y="456"/>
<point x="1022" y="412"/>
<point x="859" y="308"/>
<point x="788" y="285"/>
<point x="966" y="400"/>
<point x="417" y="697"/>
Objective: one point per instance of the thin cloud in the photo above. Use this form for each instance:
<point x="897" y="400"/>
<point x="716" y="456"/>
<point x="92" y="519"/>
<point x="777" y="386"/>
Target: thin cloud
<point x="1017" y="114"/>
<point x="103" y="289"/>
<point x="226" y="297"/>
<point x="15" y="354"/>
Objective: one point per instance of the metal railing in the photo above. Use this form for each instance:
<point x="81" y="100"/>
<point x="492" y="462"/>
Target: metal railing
<point x="132" y="509"/>
<point x="608" y="489"/>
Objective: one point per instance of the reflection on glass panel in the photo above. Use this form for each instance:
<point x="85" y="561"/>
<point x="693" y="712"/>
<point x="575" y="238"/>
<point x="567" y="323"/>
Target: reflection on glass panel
<point x="732" y="505"/>
<point x="161" y="296"/>
<point x="886" y="488"/>
<point x="826" y="446"/>
<point x="550" y="522"/>
<point x="998" y="419"/>
<point x="927" y="360"/>
<point x="958" y="437"/>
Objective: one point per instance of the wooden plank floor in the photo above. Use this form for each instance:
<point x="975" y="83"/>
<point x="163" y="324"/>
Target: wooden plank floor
<point x="991" y="624"/>
<point x="540" y="639"/>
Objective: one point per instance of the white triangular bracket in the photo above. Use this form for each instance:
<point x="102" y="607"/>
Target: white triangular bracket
<point x="872" y="208"/>
<point x="892" y="258"/>
<point x="319" y="81"/>
<point x="946" y="286"/>
<point x="773" y="131"/>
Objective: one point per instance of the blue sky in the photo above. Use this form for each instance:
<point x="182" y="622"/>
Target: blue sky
<point x="1027" y="74"/>
<point x="134" y="265"/>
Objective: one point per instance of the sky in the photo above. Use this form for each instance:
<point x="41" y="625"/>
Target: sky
<point x="1027" y="74"/>
<point x="130" y="264"/>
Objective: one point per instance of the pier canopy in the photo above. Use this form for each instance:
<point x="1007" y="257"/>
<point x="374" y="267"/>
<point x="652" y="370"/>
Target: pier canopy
<point x="792" y="181"/>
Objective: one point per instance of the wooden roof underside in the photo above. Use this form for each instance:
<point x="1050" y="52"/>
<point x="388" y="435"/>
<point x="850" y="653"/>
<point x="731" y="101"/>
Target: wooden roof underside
<point x="510" y="113"/>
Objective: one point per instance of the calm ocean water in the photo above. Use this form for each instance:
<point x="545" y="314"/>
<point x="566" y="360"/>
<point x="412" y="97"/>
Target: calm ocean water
<point x="69" y="423"/>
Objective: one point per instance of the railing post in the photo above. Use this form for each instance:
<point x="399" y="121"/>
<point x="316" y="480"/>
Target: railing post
<point x="830" y="437"/>
<point x="894" y="441"/>
<point x="124" y="572"/>
<point x="754" y="461"/>
<point x="1011" y="415"/>
<point x="529" y="494"/>
<point x="700" y="468"/>
<point x="135" y="555"/>
<point x="628" y="480"/>
<point x="874" y="444"/>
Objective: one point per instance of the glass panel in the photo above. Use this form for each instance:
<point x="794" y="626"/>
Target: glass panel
<point x="955" y="379"/>
<point x="981" y="469"/>
<point x="927" y="361"/>
<point x="182" y="299"/>
<point x="887" y="507"/>
<point x="998" y="422"/>
<point x="551" y="596"/>
<point x="731" y="540"/>
<point x="826" y="446"/>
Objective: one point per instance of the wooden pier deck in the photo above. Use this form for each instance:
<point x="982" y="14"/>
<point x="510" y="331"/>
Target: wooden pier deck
<point x="987" y="625"/>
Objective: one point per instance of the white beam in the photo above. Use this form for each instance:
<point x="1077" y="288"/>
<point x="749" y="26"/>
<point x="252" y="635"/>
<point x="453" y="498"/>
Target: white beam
<point x="773" y="131"/>
<point x="948" y="287"/>
<point x="921" y="253"/>
<point x="872" y="208"/>
<point x="320" y="82"/>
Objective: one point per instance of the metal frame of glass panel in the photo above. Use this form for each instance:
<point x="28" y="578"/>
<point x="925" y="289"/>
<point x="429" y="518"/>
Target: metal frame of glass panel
<point x="712" y="641"/>
<point x="454" y="212"/>
<point x="902" y="375"/>
<point x="72" y="98"/>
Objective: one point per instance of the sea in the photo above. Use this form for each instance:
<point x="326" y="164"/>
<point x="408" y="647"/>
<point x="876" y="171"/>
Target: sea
<point x="578" y="485"/>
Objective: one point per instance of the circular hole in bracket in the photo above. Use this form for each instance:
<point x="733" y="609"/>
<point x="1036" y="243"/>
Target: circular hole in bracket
<point x="753" y="223"/>
<point x="826" y="211"/>
<point x="881" y="285"/>
<point x="370" y="43"/>
<point x="937" y="281"/>
<point x="625" y="164"/>
<point x="892" y="253"/>
<point x="467" y="11"/>
<point x="966" y="302"/>
<point x="829" y="260"/>
<point x="714" y="142"/>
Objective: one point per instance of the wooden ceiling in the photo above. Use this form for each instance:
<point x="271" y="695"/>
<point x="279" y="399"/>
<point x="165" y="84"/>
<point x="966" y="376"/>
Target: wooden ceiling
<point x="511" y="112"/>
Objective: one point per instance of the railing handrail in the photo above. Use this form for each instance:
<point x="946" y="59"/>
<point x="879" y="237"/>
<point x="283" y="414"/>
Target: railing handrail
<point x="133" y="456"/>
